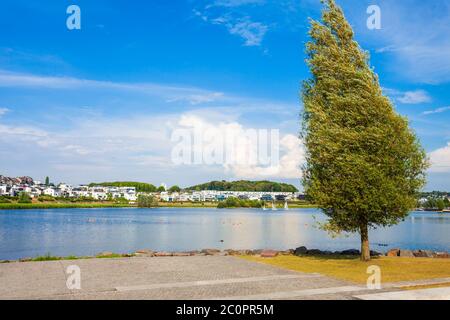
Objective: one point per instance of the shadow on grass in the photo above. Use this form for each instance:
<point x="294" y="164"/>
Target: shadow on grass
<point x="335" y="257"/>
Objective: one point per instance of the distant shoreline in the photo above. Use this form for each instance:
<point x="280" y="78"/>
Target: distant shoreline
<point x="95" y="205"/>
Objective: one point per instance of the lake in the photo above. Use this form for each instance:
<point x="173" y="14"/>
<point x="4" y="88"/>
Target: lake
<point x="63" y="232"/>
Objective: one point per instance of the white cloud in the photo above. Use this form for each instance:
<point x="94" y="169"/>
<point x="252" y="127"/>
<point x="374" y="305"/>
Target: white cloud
<point x="438" y="110"/>
<point x="196" y="99"/>
<point x="245" y="157"/>
<point x="414" y="38"/>
<point x="172" y="93"/>
<point x="408" y="97"/>
<point x="414" y="97"/>
<point x="440" y="159"/>
<point x="252" y="32"/>
<point x="3" y="111"/>
<point x="138" y="148"/>
<point x="235" y="3"/>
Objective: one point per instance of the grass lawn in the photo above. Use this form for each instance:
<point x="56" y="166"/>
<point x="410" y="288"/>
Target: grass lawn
<point x="352" y="269"/>
<point x="60" y="205"/>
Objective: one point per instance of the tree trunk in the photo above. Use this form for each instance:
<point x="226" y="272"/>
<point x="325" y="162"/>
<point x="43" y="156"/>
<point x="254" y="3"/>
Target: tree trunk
<point x="365" y="249"/>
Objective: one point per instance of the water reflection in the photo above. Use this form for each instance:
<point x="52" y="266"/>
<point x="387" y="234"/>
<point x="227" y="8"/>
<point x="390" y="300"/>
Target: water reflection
<point x="89" y="231"/>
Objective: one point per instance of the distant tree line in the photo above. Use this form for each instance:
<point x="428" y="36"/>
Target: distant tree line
<point x="147" y="201"/>
<point x="239" y="203"/>
<point x="244" y="185"/>
<point x="140" y="186"/>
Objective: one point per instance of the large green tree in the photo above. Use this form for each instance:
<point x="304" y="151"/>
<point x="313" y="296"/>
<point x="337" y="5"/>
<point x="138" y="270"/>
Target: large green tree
<point x="365" y="165"/>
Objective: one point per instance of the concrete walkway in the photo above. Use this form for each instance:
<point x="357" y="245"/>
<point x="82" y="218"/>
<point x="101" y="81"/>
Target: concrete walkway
<point x="176" y="278"/>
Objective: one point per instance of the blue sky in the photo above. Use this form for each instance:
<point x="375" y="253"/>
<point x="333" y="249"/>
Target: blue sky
<point x="100" y="103"/>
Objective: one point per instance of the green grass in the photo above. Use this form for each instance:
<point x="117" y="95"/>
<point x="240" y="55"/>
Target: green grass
<point x="59" y="205"/>
<point x="393" y="269"/>
<point x="47" y="257"/>
<point x="188" y="204"/>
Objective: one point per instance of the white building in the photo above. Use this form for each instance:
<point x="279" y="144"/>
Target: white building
<point x="49" y="191"/>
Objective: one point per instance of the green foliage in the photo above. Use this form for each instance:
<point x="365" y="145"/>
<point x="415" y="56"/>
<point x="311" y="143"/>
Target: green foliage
<point x="244" y="185"/>
<point x="4" y="200"/>
<point x="365" y="166"/>
<point x="121" y="200"/>
<point x="47" y="257"/>
<point x="140" y="186"/>
<point x="45" y="198"/>
<point x="57" y="205"/>
<point x="175" y="189"/>
<point x="239" y="203"/>
<point x="47" y="181"/>
<point x="146" y="201"/>
<point x="436" y="200"/>
<point x="440" y="204"/>
<point x="24" y="198"/>
<point x="161" y="189"/>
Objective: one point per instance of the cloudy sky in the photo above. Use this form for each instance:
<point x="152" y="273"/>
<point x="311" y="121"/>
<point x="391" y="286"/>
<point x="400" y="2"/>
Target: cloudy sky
<point x="102" y="103"/>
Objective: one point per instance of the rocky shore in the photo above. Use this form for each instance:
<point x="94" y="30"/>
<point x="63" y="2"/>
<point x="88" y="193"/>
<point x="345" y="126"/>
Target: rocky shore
<point x="265" y="253"/>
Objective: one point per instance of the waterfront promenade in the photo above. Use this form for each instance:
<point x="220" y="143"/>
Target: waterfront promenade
<point x="196" y="277"/>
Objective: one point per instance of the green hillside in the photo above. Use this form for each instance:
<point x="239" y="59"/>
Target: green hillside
<point x="140" y="186"/>
<point x="244" y="185"/>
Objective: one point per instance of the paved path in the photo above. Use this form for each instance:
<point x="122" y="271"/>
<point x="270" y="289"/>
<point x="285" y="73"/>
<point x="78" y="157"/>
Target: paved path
<point x="196" y="277"/>
<point x="423" y="294"/>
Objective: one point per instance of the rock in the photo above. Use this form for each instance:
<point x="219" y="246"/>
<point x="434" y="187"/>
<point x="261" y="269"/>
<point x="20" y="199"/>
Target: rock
<point x="105" y="254"/>
<point x="181" y="254"/>
<point x="200" y="254"/>
<point x="210" y="252"/>
<point x="423" y="254"/>
<point x="314" y="252"/>
<point x="269" y="253"/>
<point x="231" y="252"/>
<point x="375" y="254"/>
<point x="144" y="253"/>
<point x="26" y="259"/>
<point x="406" y="254"/>
<point x="163" y="254"/>
<point x="301" y="251"/>
<point x="442" y="255"/>
<point x="393" y="253"/>
<point x="351" y="252"/>
<point x="243" y="252"/>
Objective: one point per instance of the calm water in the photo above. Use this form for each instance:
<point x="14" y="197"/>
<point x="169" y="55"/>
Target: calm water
<point x="28" y="233"/>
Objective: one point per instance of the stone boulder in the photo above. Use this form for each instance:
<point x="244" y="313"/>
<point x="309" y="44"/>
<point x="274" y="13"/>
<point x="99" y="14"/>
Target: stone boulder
<point x="393" y="253"/>
<point x="314" y="252"/>
<point x="442" y="255"/>
<point x="375" y="254"/>
<point x="423" y="254"/>
<point x="163" y="254"/>
<point x="210" y="252"/>
<point x="231" y="252"/>
<point x="406" y="254"/>
<point x="300" y="251"/>
<point x="181" y="254"/>
<point x="105" y="254"/>
<point x="144" y="253"/>
<point x="269" y="253"/>
<point x="351" y="252"/>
